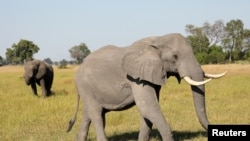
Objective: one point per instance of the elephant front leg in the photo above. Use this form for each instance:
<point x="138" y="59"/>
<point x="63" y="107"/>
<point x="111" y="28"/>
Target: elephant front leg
<point x="145" y="129"/>
<point x="149" y="108"/>
<point x="33" y="87"/>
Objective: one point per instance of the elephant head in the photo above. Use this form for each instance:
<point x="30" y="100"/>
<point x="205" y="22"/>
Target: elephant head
<point x="34" y="70"/>
<point x="157" y="58"/>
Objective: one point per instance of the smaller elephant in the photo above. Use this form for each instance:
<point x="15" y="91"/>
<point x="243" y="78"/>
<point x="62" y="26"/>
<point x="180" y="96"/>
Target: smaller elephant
<point x="39" y="72"/>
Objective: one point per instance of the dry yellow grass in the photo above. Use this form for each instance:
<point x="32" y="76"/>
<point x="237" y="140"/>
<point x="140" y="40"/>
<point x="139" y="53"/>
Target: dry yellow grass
<point x="25" y="117"/>
<point x="231" y="68"/>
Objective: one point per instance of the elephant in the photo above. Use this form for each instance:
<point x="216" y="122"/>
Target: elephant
<point x="116" y="78"/>
<point x="40" y="72"/>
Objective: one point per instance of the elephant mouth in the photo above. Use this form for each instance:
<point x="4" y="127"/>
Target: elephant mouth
<point x="28" y="81"/>
<point x="193" y="82"/>
<point x="175" y="74"/>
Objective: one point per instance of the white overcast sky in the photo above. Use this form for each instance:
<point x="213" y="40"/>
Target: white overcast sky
<point x="57" y="25"/>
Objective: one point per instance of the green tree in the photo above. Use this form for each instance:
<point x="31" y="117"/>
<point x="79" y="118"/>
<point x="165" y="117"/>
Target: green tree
<point x="234" y="38"/>
<point x="245" y="55"/>
<point x="201" y="57"/>
<point x="23" y="51"/>
<point x="214" y="32"/>
<point x="63" y="64"/>
<point x="197" y="39"/>
<point x="246" y="41"/>
<point x="1" y="60"/>
<point x="215" y="55"/>
<point x="199" y="43"/>
<point x="48" y="60"/>
<point x="79" y="52"/>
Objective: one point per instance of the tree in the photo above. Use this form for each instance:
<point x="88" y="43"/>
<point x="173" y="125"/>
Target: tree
<point x="79" y="52"/>
<point x="245" y="55"/>
<point x="1" y="60"/>
<point x="198" y="42"/>
<point x="201" y="57"/>
<point x="23" y="51"/>
<point x="234" y="38"/>
<point x="246" y="41"/>
<point x="56" y="63"/>
<point x="48" y="60"/>
<point x="215" y="32"/>
<point x="215" y="55"/>
<point x="63" y="64"/>
<point x="197" y="39"/>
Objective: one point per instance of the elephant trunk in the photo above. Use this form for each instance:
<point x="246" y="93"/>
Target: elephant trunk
<point x="195" y="72"/>
<point x="199" y="99"/>
<point x="199" y="104"/>
<point x="27" y="80"/>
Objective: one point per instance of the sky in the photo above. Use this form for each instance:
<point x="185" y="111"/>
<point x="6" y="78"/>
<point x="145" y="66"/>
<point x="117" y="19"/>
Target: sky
<point x="55" y="26"/>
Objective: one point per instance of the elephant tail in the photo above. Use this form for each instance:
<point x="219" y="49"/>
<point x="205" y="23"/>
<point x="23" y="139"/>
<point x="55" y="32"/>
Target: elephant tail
<point x="72" y="121"/>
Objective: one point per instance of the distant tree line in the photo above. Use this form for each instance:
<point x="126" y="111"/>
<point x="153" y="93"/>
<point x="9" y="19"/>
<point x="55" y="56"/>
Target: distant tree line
<point x="219" y="42"/>
<point x="212" y="44"/>
<point x="24" y="51"/>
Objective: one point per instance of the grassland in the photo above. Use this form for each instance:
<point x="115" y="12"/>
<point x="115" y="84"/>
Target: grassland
<point x="24" y="117"/>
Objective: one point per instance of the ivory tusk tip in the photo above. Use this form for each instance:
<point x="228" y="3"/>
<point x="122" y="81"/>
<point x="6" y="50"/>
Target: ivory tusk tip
<point x="215" y="76"/>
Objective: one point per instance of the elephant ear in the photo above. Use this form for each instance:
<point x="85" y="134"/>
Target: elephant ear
<point x="41" y="70"/>
<point x="145" y="65"/>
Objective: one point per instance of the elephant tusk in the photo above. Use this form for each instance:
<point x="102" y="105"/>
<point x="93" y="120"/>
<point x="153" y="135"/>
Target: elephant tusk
<point x="195" y="83"/>
<point x="215" y="75"/>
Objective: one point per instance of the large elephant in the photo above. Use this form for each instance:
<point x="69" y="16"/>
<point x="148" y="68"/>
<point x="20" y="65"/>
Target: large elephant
<point x="113" y="79"/>
<point x="39" y="72"/>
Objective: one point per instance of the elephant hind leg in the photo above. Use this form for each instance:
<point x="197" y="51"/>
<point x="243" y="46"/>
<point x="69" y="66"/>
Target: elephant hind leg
<point x="98" y="120"/>
<point x="97" y="116"/>
<point x="83" y="132"/>
<point x="48" y="85"/>
<point x="93" y="113"/>
<point x="33" y="87"/>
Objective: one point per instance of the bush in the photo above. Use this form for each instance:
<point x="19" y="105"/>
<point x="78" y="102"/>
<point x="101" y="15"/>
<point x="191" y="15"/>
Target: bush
<point x="201" y="57"/>
<point x="215" y="57"/>
<point x="63" y="64"/>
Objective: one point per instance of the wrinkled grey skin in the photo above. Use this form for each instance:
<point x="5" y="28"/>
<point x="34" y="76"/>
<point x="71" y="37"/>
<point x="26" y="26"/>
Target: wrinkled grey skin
<point x="113" y="79"/>
<point x="41" y="73"/>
